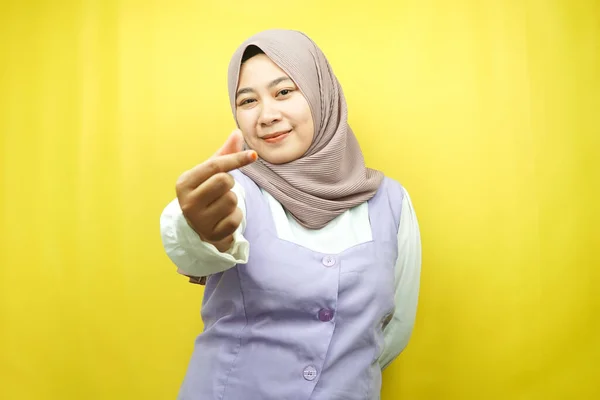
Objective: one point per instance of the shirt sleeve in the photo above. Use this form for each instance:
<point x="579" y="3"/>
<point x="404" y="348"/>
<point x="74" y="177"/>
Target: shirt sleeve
<point x="194" y="257"/>
<point x="407" y="281"/>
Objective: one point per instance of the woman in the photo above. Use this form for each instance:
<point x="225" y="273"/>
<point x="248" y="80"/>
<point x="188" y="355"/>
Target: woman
<point x="312" y="260"/>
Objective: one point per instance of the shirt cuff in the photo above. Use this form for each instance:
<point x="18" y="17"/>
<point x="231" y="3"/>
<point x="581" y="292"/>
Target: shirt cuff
<point x="193" y="256"/>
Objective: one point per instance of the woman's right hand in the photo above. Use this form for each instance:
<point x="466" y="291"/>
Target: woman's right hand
<point x="205" y="196"/>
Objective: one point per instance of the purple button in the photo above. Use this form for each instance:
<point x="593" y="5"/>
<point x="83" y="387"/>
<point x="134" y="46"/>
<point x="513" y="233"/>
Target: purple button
<point x="328" y="261"/>
<point x="310" y="373"/>
<point x="325" y="315"/>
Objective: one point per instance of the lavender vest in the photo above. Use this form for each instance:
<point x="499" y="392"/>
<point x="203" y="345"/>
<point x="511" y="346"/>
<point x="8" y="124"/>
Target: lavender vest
<point x="295" y="324"/>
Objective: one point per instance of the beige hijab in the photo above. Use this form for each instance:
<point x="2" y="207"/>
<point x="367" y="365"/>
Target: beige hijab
<point x="331" y="176"/>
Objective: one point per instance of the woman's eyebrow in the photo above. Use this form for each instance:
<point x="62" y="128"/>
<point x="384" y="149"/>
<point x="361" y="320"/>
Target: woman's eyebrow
<point x="274" y="82"/>
<point x="278" y="81"/>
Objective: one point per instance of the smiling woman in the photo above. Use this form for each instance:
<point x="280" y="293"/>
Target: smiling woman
<point x="272" y="113"/>
<point x="487" y="111"/>
<point x="311" y="260"/>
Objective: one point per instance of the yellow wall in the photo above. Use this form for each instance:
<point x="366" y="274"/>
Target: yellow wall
<point x="488" y="112"/>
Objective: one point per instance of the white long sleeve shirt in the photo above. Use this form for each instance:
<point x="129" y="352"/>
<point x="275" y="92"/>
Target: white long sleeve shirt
<point x="195" y="257"/>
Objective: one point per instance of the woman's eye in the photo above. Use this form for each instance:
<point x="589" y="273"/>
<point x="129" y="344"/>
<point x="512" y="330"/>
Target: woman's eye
<point x="284" y="92"/>
<point x="247" y="101"/>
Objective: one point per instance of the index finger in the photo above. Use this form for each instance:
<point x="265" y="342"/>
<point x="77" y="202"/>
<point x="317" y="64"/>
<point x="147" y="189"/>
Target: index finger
<point x="218" y="164"/>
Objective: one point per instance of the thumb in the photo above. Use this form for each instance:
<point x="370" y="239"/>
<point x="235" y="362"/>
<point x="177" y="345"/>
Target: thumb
<point x="233" y="144"/>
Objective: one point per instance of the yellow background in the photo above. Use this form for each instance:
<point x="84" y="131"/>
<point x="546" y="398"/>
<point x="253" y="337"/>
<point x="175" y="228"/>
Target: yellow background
<point x="487" y="111"/>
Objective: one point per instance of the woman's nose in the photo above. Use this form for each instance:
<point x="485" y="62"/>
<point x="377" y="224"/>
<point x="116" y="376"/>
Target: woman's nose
<point x="269" y="114"/>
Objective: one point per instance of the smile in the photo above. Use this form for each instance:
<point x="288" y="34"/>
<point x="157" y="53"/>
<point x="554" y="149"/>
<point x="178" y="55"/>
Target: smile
<point x="278" y="137"/>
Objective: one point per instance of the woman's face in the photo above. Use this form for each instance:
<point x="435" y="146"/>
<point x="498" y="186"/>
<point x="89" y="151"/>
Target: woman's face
<point x="272" y="113"/>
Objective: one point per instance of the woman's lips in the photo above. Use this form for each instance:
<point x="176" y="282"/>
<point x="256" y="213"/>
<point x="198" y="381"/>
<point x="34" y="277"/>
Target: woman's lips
<point x="277" y="138"/>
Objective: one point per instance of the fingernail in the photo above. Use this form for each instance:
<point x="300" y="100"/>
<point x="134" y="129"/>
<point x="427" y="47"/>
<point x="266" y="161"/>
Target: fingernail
<point x="253" y="156"/>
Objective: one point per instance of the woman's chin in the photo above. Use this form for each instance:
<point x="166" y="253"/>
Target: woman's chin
<point x="277" y="157"/>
